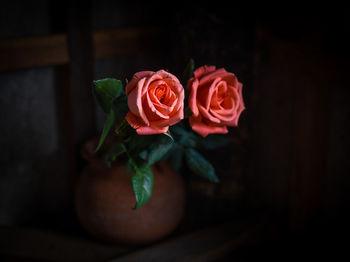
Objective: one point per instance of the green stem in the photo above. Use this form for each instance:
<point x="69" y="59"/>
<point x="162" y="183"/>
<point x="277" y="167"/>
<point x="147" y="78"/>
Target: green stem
<point x="121" y="128"/>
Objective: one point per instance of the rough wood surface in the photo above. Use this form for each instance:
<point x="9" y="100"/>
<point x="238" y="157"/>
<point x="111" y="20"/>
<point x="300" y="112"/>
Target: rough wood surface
<point x="33" y="51"/>
<point x="293" y="100"/>
<point x="38" y="245"/>
<point x="208" y="244"/>
<point x="81" y="70"/>
<point x="52" y="50"/>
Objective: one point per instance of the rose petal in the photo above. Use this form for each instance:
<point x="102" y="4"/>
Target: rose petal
<point x="174" y="84"/>
<point x="174" y="118"/>
<point x="179" y="101"/>
<point x="135" y="79"/>
<point x="221" y="89"/>
<point x="237" y="98"/>
<point x="151" y="111"/>
<point x="224" y="117"/>
<point x="205" y="93"/>
<point x="207" y="115"/>
<point x="134" y="121"/>
<point x="213" y="75"/>
<point x="199" y="72"/>
<point x="164" y="109"/>
<point x="193" y="86"/>
<point x="151" y="130"/>
<point x="240" y="88"/>
<point x="230" y="79"/>
<point x="203" y="129"/>
<point x="240" y="109"/>
<point x="135" y="102"/>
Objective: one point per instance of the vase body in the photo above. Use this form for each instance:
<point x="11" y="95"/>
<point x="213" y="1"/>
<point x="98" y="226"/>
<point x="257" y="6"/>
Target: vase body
<point x="104" y="204"/>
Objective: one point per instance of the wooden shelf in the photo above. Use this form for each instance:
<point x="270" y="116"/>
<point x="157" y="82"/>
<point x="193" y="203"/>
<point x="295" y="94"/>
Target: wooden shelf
<point x="207" y="244"/>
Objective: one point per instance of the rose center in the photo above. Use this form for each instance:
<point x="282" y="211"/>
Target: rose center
<point x="160" y="93"/>
<point x="221" y="93"/>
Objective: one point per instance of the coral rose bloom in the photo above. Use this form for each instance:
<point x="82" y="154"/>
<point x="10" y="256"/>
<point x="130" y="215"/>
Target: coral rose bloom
<point x="155" y="101"/>
<point x="215" y="100"/>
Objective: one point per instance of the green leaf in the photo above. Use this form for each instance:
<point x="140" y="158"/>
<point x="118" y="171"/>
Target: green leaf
<point x="129" y="166"/>
<point x="106" y="128"/>
<point x="214" y="142"/>
<point x="143" y="155"/>
<point x="184" y="137"/>
<point x="139" y="143"/>
<point x="123" y="129"/>
<point x="106" y="91"/>
<point x="188" y="73"/>
<point x="199" y="165"/>
<point x="121" y="105"/>
<point x="158" y="151"/>
<point x="113" y="152"/>
<point x="142" y="185"/>
<point x="177" y="154"/>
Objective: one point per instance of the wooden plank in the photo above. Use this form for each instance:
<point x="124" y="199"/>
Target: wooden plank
<point x="64" y="113"/>
<point x="26" y="244"/>
<point x="50" y="50"/>
<point x="124" y="41"/>
<point x="272" y="111"/>
<point x="81" y="68"/>
<point x="33" y="51"/>
<point x="293" y="126"/>
<point x="65" y="125"/>
<point x="209" y="244"/>
<point x="311" y="120"/>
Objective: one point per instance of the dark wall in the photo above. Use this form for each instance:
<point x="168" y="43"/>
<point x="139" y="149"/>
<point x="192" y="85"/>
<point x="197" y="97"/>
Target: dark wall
<point x="32" y="173"/>
<point x="289" y="153"/>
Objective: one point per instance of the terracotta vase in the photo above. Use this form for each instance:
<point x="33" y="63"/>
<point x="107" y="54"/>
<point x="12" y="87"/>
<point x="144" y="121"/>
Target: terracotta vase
<point x="104" y="203"/>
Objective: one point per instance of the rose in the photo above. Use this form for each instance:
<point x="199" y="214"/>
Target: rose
<point x="215" y="100"/>
<point x="155" y="101"/>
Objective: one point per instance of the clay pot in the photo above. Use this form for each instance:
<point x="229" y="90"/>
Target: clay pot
<point x="104" y="203"/>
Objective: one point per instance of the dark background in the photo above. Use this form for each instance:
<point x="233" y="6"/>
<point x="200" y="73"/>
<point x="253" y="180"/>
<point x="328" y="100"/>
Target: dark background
<point x="288" y="164"/>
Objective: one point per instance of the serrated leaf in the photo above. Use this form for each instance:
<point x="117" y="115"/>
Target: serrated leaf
<point x="158" y="151"/>
<point x="113" y="152"/>
<point x="142" y="185"/>
<point x="106" y="91"/>
<point x="199" y="165"/>
<point x="106" y="128"/>
<point x="214" y="141"/>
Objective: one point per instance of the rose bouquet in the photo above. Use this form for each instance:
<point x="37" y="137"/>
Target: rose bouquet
<point x="147" y="120"/>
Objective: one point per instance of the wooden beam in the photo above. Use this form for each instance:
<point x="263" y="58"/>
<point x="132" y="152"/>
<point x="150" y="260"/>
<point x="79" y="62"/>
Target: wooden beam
<point x="124" y="41"/>
<point x="292" y="124"/>
<point x="311" y="120"/>
<point x="82" y="73"/>
<point x="20" y="53"/>
<point x="33" y="51"/>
